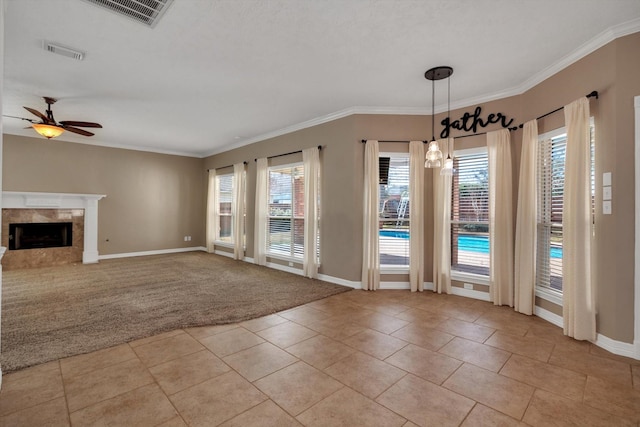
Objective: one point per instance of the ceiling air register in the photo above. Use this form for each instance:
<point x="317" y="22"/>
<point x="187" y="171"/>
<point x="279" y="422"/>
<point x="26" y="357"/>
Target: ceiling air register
<point x="147" y="12"/>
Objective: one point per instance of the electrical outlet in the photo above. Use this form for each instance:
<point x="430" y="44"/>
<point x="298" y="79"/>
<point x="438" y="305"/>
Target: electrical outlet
<point x="188" y="238"/>
<point x="185" y="239"/>
<point x="290" y="264"/>
<point x="468" y="286"/>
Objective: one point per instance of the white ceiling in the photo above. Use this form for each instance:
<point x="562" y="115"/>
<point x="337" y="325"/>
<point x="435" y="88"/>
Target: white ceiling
<point x="217" y="74"/>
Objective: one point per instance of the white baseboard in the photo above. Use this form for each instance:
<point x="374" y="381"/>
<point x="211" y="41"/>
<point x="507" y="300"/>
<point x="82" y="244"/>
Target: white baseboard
<point x="157" y="252"/>
<point x="613" y="346"/>
<point x="286" y="268"/>
<point x="470" y="293"/>
<point x="548" y="316"/>
<point x="617" y="347"/>
<point x="339" y="281"/>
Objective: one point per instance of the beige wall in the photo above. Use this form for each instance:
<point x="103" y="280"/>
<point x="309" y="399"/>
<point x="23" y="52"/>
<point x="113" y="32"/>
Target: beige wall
<point x="159" y="198"/>
<point x="610" y="70"/>
<point x="153" y="200"/>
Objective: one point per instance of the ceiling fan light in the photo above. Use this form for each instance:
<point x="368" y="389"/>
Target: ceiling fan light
<point x="48" y="131"/>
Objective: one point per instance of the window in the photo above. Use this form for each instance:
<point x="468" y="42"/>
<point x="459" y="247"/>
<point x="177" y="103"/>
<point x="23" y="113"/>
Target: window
<point x="225" y="184"/>
<point x="224" y="197"/>
<point x="470" y="213"/>
<point x="550" y="175"/>
<point x="285" y="228"/>
<point x="394" y="209"/>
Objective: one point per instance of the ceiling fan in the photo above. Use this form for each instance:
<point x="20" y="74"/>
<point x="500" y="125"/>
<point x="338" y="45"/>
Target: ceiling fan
<point x="49" y="128"/>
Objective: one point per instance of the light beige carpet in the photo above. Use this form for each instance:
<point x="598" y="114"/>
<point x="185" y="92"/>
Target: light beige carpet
<point x="55" y="312"/>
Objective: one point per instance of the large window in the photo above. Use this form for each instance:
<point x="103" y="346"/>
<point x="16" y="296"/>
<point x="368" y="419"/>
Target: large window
<point x="394" y="209"/>
<point x="550" y="175"/>
<point x="225" y="184"/>
<point x="470" y="213"/>
<point x="224" y="197"/>
<point x="285" y="228"/>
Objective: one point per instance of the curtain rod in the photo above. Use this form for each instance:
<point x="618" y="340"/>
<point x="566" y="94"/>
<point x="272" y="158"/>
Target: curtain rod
<point x="223" y="167"/>
<point x="364" y="140"/>
<point x="590" y="95"/>
<point x="286" y="154"/>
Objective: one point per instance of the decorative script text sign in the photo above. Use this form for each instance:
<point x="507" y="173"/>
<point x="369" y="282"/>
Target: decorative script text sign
<point x="470" y="122"/>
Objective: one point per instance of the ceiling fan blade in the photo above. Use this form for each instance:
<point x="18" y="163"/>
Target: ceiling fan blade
<point x="81" y="124"/>
<point x="20" y="118"/>
<point x="78" y="131"/>
<point x="44" y="118"/>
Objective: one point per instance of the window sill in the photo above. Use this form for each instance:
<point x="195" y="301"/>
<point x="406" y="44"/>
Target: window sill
<point x="475" y="279"/>
<point x="223" y="244"/>
<point x="548" y="295"/>
<point x="394" y="269"/>
<point x="284" y="258"/>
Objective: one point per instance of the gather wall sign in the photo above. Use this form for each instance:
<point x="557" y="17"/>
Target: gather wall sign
<point x="470" y="122"/>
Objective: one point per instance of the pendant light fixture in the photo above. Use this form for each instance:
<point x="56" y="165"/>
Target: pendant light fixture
<point x="447" y="168"/>
<point x="433" y="158"/>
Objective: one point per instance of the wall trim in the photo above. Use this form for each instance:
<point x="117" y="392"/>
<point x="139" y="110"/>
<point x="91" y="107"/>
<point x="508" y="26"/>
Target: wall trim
<point x="339" y="281"/>
<point x="613" y="346"/>
<point x="548" y="316"/>
<point x="470" y="293"/>
<point x="616" y="347"/>
<point x="636" y="329"/>
<point x="156" y="252"/>
<point x="585" y="49"/>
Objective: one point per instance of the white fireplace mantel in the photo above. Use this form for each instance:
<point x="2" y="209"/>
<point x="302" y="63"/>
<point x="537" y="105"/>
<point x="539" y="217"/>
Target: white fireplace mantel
<point x="88" y="202"/>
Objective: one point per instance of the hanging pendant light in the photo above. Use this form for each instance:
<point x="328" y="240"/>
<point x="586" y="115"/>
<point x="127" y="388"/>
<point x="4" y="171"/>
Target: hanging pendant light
<point x="447" y="168"/>
<point x="433" y="157"/>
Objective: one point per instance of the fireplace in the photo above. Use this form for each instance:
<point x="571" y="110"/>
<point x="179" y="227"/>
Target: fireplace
<point x="36" y="235"/>
<point x="76" y="214"/>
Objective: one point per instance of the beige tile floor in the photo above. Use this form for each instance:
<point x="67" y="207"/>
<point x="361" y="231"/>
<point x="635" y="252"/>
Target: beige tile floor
<point x="384" y="358"/>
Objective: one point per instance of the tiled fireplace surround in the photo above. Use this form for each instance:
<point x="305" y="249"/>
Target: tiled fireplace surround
<point x="26" y="207"/>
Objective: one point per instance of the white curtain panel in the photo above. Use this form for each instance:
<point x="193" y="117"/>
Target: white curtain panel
<point x="525" y="251"/>
<point x="500" y="218"/>
<point x="416" y="215"/>
<point x="311" y="163"/>
<point x="237" y="210"/>
<point x="212" y="218"/>
<point x="262" y="206"/>
<point x="578" y="294"/>
<point x="442" y="224"/>
<point x="370" y="250"/>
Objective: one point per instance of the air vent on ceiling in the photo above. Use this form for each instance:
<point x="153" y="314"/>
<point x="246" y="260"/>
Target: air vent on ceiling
<point x="147" y="12"/>
<point x="63" y="50"/>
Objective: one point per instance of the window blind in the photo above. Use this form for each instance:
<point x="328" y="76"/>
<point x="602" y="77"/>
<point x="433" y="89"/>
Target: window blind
<point x="224" y="197"/>
<point x="550" y="171"/>
<point x="470" y="214"/>
<point x="394" y="211"/>
<point x="285" y="228"/>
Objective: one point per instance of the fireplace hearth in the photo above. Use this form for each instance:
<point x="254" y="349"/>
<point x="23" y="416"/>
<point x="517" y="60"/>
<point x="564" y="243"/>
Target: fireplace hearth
<point x="38" y="235"/>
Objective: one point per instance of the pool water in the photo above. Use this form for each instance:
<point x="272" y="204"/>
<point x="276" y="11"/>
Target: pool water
<point x="478" y="244"/>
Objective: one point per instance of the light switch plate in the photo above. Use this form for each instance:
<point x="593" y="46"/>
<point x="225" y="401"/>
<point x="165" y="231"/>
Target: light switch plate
<point x="606" y="193"/>
<point x="606" y="178"/>
<point x="606" y="207"/>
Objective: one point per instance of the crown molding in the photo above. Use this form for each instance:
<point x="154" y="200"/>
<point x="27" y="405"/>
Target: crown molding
<point x="318" y="121"/>
<point x="119" y="146"/>
<point x="585" y="49"/>
<point x="591" y="46"/>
